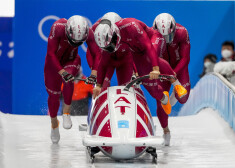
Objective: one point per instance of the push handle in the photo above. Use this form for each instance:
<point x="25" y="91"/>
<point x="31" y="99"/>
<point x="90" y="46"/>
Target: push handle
<point x="83" y="80"/>
<point x="162" y="77"/>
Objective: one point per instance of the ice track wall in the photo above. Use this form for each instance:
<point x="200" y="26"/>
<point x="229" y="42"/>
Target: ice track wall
<point x="213" y="91"/>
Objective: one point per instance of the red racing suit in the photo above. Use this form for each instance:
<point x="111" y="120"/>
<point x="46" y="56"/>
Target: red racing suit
<point x="121" y="60"/>
<point x="177" y="54"/>
<point x="93" y="60"/>
<point x="159" y="45"/>
<point x="138" y="36"/>
<point x="61" y="55"/>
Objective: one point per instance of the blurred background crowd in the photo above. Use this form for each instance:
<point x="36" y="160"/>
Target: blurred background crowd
<point x="225" y="65"/>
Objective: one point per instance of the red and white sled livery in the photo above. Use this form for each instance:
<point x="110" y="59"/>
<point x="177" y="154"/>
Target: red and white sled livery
<point x="120" y="124"/>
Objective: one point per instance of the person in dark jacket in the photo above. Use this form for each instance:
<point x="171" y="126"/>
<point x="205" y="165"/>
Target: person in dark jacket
<point x="209" y="63"/>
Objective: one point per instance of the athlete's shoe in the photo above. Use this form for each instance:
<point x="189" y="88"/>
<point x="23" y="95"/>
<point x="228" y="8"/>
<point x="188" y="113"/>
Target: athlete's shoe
<point x="167" y="107"/>
<point x="167" y="139"/>
<point x="180" y="91"/>
<point x="67" y="122"/>
<point x="55" y="134"/>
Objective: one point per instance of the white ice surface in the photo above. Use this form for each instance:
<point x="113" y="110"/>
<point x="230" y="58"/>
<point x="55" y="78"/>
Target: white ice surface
<point x="203" y="140"/>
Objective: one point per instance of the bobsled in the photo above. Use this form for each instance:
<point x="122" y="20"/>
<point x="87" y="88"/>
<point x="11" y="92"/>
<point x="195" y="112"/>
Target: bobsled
<point x="120" y="124"/>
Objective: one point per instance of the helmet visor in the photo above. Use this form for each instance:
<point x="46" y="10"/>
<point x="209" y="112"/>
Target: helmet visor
<point x="169" y="38"/>
<point x="112" y="45"/>
<point x="73" y="42"/>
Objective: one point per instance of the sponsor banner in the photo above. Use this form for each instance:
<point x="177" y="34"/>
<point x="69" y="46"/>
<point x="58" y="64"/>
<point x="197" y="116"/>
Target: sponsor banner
<point x="6" y="55"/>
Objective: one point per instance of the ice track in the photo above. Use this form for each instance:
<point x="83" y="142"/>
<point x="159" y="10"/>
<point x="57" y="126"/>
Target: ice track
<point x="203" y="140"/>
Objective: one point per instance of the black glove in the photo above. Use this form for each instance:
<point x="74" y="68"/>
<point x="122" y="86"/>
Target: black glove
<point x="67" y="77"/>
<point x="91" y="79"/>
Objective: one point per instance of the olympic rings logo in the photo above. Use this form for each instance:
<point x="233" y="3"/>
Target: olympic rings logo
<point x="53" y="17"/>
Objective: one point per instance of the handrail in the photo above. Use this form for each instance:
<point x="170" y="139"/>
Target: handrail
<point x="230" y="85"/>
<point x="214" y="91"/>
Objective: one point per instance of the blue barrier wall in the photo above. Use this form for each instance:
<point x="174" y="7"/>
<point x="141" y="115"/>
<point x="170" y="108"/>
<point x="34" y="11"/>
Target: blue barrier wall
<point x="6" y="55"/>
<point x="214" y="91"/>
<point x="208" y="23"/>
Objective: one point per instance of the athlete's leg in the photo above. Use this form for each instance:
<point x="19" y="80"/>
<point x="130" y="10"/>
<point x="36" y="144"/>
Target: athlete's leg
<point x="185" y="81"/>
<point x="165" y="67"/>
<point x="53" y="83"/>
<point x="155" y="91"/>
<point x="144" y="68"/>
<point x="72" y="68"/>
<point x="124" y="73"/>
<point x="162" y="116"/>
<point x="108" y="77"/>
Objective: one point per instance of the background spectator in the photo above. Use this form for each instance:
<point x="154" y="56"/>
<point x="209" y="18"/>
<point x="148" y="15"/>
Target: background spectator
<point x="227" y="51"/>
<point x="226" y="66"/>
<point x="209" y="63"/>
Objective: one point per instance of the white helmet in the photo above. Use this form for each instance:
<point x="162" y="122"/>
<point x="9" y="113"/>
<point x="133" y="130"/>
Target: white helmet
<point x="77" y="30"/>
<point x="107" y="35"/>
<point x="166" y="25"/>
<point x="112" y="16"/>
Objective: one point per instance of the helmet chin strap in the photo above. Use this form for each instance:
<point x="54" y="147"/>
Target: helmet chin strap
<point x="74" y="44"/>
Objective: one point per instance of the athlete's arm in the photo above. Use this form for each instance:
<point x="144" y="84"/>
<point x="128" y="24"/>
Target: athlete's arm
<point x="52" y="47"/>
<point x="102" y="69"/>
<point x="89" y="58"/>
<point x="94" y="50"/>
<point x="144" y="43"/>
<point x="159" y="44"/>
<point x="184" y="51"/>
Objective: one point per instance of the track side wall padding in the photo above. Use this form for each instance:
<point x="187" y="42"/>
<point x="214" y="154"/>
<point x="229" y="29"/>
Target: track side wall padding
<point x="214" y="91"/>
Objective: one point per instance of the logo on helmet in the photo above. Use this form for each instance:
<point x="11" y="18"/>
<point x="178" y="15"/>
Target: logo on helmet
<point x="166" y="25"/>
<point x="52" y="17"/>
<point x="107" y="35"/>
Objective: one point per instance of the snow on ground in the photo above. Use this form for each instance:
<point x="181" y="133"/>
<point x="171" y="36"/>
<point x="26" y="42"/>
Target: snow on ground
<point x="203" y="140"/>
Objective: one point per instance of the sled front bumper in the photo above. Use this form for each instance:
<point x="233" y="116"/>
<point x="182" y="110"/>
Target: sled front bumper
<point x="104" y="141"/>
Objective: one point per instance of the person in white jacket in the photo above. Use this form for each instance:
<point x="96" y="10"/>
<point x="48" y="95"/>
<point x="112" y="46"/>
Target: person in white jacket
<point x="226" y="66"/>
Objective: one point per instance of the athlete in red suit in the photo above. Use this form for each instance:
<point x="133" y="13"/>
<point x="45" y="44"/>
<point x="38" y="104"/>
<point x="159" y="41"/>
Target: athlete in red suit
<point x="121" y="60"/>
<point x="62" y="64"/>
<point x="135" y="34"/>
<point x="93" y="59"/>
<point x="176" y="52"/>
